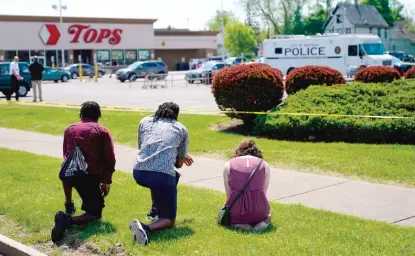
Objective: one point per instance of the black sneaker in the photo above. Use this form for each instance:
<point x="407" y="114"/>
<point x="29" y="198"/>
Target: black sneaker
<point x="62" y="222"/>
<point x="70" y="208"/>
<point x="140" y="234"/>
<point x="152" y="215"/>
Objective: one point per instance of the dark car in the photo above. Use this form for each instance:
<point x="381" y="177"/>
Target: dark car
<point x="141" y="69"/>
<point x="401" y="66"/>
<point x="87" y="70"/>
<point x="233" y="61"/>
<point x="5" y="82"/>
<point x="205" y="72"/>
<point x="403" y="56"/>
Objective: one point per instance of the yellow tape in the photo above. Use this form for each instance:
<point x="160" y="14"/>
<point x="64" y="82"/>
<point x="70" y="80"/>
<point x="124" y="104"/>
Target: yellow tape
<point x="217" y="112"/>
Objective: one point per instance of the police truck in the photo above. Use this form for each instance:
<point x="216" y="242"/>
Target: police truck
<point x="341" y="52"/>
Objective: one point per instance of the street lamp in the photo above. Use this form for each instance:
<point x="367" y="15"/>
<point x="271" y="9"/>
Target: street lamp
<point x="223" y="32"/>
<point x="61" y="8"/>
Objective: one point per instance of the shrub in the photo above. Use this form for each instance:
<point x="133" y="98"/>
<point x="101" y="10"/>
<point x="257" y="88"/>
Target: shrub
<point x="377" y="74"/>
<point x="301" y="78"/>
<point x="410" y="74"/>
<point x="394" y="99"/>
<point x="253" y="87"/>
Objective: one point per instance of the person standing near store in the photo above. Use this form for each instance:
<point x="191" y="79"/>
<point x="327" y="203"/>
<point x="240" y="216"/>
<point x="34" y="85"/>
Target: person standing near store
<point x="14" y="78"/>
<point x="36" y="69"/>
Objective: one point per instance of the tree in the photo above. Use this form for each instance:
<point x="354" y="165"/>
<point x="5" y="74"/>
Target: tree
<point x="215" y="23"/>
<point x="239" y="38"/>
<point x="313" y="24"/>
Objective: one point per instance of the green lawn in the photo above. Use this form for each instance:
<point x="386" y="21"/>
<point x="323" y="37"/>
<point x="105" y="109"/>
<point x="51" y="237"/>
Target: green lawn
<point x="380" y="163"/>
<point x="31" y="194"/>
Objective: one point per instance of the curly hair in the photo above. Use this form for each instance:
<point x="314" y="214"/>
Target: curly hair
<point x="168" y="110"/>
<point x="247" y="147"/>
<point x="90" y="110"/>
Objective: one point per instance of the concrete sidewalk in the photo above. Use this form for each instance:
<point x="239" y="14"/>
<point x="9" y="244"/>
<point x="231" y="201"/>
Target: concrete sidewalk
<point x="362" y="199"/>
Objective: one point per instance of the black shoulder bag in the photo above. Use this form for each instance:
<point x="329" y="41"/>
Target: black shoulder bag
<point x="224" y="217"/>
<point x="75" y="165"/>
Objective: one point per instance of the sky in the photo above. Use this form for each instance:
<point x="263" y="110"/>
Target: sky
<point x="192" y="14"/>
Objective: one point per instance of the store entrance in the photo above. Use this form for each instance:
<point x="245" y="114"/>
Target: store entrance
<point x="83" y="56"/>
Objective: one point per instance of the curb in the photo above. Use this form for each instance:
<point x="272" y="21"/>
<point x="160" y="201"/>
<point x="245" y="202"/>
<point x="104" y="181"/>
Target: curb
<point x="9" y="247"/>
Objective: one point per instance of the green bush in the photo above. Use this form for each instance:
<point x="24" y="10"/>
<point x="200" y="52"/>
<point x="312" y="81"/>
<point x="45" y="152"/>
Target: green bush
<point x="252" y="87"/>
<point x="393" y="99"/>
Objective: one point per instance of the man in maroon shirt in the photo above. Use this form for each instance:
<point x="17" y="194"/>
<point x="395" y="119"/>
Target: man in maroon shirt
<point x="96" y="144"/>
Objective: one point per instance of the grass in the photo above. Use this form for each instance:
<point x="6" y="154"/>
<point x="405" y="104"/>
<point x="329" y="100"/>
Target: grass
<point x="393" y="164"/>
<point x="31" y="194"/>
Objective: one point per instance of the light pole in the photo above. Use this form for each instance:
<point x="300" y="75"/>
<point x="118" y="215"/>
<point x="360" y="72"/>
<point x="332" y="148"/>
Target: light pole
<point x="223" y="32"/>
<point x="60" y="7"/>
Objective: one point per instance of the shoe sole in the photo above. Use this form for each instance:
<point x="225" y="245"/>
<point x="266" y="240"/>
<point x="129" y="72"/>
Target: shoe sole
<point x="139" y="234"/>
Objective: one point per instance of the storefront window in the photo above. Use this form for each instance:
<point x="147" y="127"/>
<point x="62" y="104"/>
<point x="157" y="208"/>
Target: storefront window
<point x="117" y="57"/>
<point x="130" y="56"/>
<point x="143" y="55"/>
<point x="24" y="56"/>
<point x="51" y="57"/>
<point x="40" y="54"/>
<point x="103" y="56"/>
<point x="60" y="58"/>
<point x="9" y="55"/>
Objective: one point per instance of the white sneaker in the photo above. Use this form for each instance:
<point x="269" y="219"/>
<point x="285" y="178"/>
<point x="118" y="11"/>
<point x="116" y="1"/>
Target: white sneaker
<point x="140" y="235"/>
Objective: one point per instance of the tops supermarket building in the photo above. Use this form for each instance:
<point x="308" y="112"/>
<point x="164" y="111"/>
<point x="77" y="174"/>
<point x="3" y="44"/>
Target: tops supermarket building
<point x="112" y="41"/>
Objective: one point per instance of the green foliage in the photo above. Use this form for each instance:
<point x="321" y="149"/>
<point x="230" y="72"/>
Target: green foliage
<point x="215" y="23"/>
<point x="253" y="87"/>
<point x="314" y="23"/>
<point x="392" y="99"/>
<point x="239" y="38"/>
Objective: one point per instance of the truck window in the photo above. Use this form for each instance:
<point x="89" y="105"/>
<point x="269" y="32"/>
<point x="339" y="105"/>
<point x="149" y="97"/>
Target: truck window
<point x="278" y="50"/>
<point x="353" y="50"/>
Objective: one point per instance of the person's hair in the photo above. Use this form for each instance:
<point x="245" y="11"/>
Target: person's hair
<point x="168" y="110"/>
<point x="90" y="110"/>
<point x="247" y="147"/>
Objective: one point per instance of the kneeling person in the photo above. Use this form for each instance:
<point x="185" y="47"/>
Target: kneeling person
<point x="162" y="144"/>
<point x="95" y="143"/>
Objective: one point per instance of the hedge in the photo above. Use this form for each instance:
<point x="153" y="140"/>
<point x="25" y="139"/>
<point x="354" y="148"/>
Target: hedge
<point x="410" y="74"/>
<point x="303" y="77"/>
<point x="393" y="99"/>
<point x="252" y="87"/>
<point x="377" y="74"/>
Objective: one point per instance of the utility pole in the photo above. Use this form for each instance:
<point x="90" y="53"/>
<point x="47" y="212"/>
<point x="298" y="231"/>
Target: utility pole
<point x="223" y="32"/>
<point x="61" y="8"/>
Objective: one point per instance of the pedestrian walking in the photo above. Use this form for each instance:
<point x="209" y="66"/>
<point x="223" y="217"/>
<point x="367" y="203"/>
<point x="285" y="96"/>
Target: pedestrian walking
<point x="14" y="78"/>
<point x="36" y="69"/>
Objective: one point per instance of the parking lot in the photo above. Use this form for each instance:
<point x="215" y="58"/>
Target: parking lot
<point x="110" y="92"/>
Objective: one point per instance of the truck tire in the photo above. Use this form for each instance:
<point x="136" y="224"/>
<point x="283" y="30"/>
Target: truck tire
<point x="290" y="70"/>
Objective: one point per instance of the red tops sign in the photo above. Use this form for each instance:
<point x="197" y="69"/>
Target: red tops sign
<point x="50" y="34"/>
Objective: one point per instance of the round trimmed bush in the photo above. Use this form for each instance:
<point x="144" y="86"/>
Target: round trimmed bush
<point x="377" y="74"/>
<point x="253" y="87"/>
<point x="410" y="74"/>
<point x="301" y="78"/>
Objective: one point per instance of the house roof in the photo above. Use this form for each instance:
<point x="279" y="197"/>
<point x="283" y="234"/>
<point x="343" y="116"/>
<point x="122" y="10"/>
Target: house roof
<point x="400" y="31"/>
<point x="360" y="16"/>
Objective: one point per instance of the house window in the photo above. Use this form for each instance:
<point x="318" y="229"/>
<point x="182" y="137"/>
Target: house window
<point x="340" y="31"/>
<point x="348" y="30"/>
<point x="379" y="32"/>
<point x="353" y="50"/>
<point x="393" y="47"/>
<point x="331" y="30"/>
<point x="370" y="30"/>
<point x="386" y="33"/>
<point x="338" y="19"/>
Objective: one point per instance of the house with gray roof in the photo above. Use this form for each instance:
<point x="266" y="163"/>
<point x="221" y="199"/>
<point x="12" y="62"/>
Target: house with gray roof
<point x="366" y="19"/>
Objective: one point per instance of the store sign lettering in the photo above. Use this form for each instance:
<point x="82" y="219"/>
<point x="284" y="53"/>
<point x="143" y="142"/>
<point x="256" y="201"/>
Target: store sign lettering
<point x="92" y="35"/>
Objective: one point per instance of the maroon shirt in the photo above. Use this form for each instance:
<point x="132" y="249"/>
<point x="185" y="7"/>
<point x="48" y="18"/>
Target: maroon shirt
<point x="96" y="144"/>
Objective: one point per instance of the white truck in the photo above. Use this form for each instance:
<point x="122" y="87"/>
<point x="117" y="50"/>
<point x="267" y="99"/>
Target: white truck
<point x="341" y="52"/>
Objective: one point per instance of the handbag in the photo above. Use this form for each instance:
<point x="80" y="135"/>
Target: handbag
<point x="74" y="165"/>
<point x="224" y="217"/>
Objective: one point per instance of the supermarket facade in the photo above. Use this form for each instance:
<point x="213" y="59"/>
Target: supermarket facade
<point x="107" y="40"/>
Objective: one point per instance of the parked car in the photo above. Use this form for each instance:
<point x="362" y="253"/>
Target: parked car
<point x="52" y="74"/>
<point x="401" y="66"/>
<point x="403" y="56"/>
<point x="233" y="61"/>
<point x="141" y="69"/>
<point x="196" y="63"/>
<point x="205" y="72"/>
<point x="24" y="85"/>
<point x="87" y="70"/>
